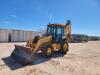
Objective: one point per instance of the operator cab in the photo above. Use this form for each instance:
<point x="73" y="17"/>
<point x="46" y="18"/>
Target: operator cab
<point x="57" y="32"/>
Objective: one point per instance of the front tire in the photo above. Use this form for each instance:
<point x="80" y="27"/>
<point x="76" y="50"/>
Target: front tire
<point x="47" y="50"/>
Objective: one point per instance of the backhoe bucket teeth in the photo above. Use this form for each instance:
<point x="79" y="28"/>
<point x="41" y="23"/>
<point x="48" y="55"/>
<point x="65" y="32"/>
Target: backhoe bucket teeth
<point x="23" y="55"/>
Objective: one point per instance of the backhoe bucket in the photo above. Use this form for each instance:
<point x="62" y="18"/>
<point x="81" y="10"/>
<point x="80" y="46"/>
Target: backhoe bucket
<point x="23" y="55"/>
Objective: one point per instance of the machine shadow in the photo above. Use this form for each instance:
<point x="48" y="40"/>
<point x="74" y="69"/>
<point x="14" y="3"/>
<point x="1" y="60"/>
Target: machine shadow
<point x="13" y="65"/>
<point x="40" y="58"/>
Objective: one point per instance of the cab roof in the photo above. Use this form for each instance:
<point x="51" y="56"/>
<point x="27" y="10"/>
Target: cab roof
<point x="58" y="25"/>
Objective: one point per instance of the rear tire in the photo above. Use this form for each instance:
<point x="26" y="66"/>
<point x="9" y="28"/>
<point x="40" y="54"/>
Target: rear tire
<point x="47" y="50"/>
<point x="64" y="48"/>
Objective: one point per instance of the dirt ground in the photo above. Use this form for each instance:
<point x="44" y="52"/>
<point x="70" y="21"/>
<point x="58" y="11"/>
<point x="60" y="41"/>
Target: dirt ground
<point x="82" y="59"/>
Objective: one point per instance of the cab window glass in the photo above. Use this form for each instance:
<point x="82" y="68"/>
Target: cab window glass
<point x="59" y="30"/>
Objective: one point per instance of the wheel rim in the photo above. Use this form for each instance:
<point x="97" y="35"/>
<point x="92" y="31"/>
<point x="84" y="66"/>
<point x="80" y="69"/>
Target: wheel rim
<point x="65" y="46"/>
<point x="49" y="51"/>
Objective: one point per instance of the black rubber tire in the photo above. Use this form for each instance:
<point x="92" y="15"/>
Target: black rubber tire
<point x="44" y="50"/>
<point x="64" y="51"/>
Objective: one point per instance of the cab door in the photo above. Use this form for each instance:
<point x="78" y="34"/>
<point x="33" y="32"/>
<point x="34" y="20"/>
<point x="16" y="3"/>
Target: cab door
<point x="59" y="32"/>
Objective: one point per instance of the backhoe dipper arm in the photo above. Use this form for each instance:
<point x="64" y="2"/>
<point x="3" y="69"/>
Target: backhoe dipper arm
<point x="68" y="29"/>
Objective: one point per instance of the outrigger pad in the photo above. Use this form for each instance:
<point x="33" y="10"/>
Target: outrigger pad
<point x="23" y="55"/>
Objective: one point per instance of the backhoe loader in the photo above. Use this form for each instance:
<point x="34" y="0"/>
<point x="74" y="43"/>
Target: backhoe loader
<point x="55" y="39"/>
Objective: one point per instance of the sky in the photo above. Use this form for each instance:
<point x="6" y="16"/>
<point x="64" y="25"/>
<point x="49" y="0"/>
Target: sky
<point x="36" y="14"/>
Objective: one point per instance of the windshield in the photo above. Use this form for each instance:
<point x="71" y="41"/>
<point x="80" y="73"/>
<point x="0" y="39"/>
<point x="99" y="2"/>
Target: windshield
<point x="56" y="32"/>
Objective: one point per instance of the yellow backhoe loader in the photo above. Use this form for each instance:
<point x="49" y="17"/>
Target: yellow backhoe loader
<point x="55" y="39"/>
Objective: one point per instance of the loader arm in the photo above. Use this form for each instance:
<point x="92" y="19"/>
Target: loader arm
<point x="26" y="55"/>
<point x="41" y="42"/>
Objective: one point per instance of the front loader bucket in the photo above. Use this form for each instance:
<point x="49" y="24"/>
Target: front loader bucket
<point x="22" y="55"/>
